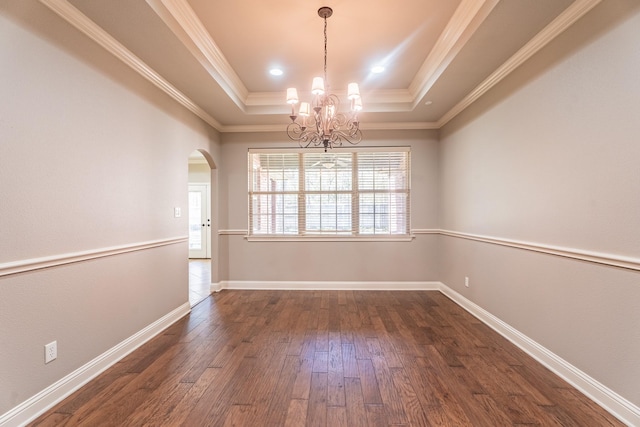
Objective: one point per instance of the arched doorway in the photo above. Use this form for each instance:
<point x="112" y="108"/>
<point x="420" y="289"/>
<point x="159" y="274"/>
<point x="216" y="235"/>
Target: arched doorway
<point x="202" y="235"/>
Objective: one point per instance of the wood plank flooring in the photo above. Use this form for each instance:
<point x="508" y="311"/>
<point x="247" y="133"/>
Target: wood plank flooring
<point x="327" y="358"/>
<point x="199" y="280"/>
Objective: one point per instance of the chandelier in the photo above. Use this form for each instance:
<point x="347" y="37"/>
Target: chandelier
<point x="320" y="122"/>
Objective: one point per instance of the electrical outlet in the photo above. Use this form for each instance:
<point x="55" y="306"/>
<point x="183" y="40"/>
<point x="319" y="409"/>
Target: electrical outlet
<point x="466" y="282"/>
<point x="51" y="352"/>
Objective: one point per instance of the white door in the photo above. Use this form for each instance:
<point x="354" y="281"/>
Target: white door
<point x="199" y="221"/>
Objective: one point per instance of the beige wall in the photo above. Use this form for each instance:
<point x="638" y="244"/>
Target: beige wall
<point x="550" y="157"/>
<point x="91" y="157"/>
<point x="330" y="261"/>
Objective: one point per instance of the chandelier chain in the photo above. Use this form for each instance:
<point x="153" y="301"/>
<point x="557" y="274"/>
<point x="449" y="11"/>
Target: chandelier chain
<point x="325" y="50"/>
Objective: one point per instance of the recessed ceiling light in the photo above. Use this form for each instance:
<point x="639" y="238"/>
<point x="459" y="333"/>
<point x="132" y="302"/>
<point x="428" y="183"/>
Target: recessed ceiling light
<point x="276" y="72"/>
<point x="428" y="103"/>
<point x="377" y="69"/>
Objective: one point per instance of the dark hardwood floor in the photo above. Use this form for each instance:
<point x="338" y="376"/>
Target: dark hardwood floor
<point x="327" y="358"/>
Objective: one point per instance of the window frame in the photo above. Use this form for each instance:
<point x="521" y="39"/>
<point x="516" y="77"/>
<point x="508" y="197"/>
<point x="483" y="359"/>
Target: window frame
<point x="303" y="234"/>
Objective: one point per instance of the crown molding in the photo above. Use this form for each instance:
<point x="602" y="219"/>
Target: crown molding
<point x="389" y="96"/>
<point x="464" y="22"/>
<point x="85" y="25"/>
<point x="363" y="126"/>
<point x="254" y="128"/>
<point x="399" y="126"/>
<point x="260" y="99"/>
<point x="184" y="23"/>
<point x="182" y="20"/>
<point x="570" y="15"/>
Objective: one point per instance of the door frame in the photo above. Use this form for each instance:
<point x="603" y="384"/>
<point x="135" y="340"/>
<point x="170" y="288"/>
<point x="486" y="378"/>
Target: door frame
<point x="214" y="246"/>
<point x="205" y="218"/>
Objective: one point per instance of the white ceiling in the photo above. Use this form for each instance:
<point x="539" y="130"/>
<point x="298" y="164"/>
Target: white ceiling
<point x="214" y="56"/>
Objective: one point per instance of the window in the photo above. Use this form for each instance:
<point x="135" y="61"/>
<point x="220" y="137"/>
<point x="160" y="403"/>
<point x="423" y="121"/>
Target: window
<point x="296" y="193"/>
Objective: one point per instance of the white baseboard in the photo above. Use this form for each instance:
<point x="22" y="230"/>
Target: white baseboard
<point x="329" y="285"/>
<point x="35" y="406"/>
<point x="615" y="404"/>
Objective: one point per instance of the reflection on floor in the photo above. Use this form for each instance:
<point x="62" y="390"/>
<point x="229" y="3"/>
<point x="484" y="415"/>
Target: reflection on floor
<point x="199" y="280"/>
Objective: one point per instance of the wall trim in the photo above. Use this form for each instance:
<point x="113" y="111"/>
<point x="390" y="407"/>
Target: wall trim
<point x="563" y="21"/>
<point x="379" y="238"/>
<point x="73" y="16"/>
<point x="331" y="238"/>
<point x="327" y="285"/>
<point x="187" y="27"/>
<point x="31" y="264"/>
<point x="232" y="232"/>
<point x="425" y="231"/>
<point x="179" y="17"/>
<point x="613" y="260"/>
<point x="35" y="406"/>
<point x="611" y="401"/>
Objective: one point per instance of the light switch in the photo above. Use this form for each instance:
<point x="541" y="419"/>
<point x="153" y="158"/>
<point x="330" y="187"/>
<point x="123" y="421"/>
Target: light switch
<point x="177" y="212"/>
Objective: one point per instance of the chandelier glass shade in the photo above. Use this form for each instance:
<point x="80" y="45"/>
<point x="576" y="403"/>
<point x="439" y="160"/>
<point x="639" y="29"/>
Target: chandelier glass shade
<point x="320" y="123"/>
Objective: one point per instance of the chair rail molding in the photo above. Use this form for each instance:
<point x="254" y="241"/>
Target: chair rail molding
<point x="613" y="260"/>
<point x="21" y="266"/>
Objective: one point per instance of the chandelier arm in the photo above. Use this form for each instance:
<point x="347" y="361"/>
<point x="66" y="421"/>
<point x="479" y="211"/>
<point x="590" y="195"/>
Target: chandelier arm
<point x="303" y="135"/>
<point x="352" y="136"/>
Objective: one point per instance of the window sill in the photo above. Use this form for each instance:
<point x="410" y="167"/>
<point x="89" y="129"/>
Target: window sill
<point x="319" y="238"/>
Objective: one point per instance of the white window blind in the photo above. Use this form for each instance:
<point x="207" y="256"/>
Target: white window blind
<point x="348" y="193"/>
